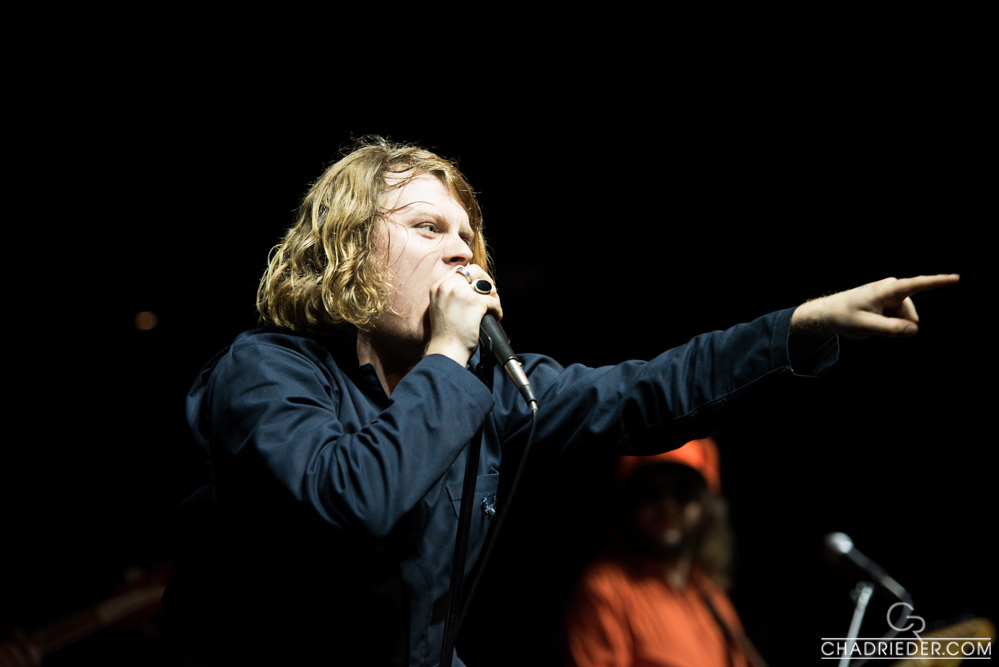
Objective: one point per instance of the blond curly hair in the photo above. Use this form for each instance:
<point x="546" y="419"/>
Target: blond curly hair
<point x="325" y="271"/>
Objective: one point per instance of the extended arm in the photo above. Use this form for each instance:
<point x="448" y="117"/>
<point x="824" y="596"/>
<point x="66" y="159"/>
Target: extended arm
<point x="695" y="389"/>
<point x="640" y="407"/>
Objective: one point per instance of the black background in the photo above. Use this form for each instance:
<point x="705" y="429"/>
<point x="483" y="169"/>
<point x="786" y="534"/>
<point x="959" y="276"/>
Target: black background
<point x="628" y="208"/>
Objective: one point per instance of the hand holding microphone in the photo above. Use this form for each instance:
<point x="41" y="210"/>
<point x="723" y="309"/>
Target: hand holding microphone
<point x="456" y="310"/>
<point x="491" y="336"/>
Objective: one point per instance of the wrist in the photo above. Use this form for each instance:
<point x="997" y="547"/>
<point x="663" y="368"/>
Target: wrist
<point x="810" y="330"/>
<point x="450" y="348"/>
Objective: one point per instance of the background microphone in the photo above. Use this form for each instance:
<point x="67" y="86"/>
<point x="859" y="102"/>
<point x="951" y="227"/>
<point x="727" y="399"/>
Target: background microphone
<point x="840" y="550"/>
<point x="494" y="340"/>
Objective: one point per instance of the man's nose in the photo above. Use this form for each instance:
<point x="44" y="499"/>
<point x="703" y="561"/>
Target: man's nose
<point x="457" y="251"/>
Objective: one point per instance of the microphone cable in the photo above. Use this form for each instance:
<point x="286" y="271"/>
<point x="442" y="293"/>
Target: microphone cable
<point x="500" y="519"/>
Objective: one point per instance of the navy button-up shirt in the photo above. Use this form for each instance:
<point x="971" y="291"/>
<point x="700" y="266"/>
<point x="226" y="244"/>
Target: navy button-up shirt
<point x="327" y="532"/>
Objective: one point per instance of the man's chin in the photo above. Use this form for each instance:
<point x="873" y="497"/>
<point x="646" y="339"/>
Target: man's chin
<point x="666" y="545"/>
<point x="671" y="538"/>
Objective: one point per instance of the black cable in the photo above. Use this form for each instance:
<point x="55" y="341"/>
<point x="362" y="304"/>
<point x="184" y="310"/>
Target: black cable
<point x="500" y="518"/>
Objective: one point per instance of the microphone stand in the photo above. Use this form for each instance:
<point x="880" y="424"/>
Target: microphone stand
<point x="863" y="591"/>
<point x="484" y="371"/>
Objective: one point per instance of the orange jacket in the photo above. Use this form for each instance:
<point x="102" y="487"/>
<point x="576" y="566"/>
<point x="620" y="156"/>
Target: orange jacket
<point x="626" y="618"/>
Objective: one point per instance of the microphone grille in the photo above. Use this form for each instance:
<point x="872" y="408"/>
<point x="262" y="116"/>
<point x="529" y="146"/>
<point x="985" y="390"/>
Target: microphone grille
<point x="838" y="544"/>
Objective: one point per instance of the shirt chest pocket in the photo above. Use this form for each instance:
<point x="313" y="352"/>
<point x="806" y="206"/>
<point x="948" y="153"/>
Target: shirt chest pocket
<point x="484" y="509"/>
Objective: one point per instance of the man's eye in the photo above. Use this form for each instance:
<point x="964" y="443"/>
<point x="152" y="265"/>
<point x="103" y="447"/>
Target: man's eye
<point x="429" y="226"/>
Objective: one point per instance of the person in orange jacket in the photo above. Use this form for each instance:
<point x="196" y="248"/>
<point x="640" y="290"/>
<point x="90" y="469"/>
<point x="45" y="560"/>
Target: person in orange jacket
<point x="660" y="599"/>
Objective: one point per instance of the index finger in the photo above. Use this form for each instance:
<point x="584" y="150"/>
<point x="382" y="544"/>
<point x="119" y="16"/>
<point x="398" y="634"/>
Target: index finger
<point x="906" y="287"/>
<point x="480" y="272"/>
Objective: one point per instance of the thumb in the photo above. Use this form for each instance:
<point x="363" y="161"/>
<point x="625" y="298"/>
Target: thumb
<point x="874" y="324"/>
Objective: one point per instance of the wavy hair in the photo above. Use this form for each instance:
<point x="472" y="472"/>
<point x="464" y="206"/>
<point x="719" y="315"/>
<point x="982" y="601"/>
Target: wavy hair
<point x="326" y="271"/>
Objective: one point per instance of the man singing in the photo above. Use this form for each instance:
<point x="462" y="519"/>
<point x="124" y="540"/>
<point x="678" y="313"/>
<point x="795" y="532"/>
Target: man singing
<point x="336" y="433"/>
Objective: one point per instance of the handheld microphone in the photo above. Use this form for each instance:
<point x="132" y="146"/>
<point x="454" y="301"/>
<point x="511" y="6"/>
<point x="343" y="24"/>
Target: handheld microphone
<point x="840" y="550"/>
<point x="494" y="340"/>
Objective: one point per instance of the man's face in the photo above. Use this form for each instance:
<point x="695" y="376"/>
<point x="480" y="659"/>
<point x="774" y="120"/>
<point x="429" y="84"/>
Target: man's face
<point x="667" y="523"/>
<point x="426" y="235"/>
<point x="668" y="515"/>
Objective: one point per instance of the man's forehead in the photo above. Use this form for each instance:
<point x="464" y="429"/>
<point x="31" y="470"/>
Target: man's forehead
<point x="423" y="192"/>
<point x="405" y="185"/>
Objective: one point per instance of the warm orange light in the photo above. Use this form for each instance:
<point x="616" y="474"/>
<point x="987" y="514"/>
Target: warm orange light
<point x="146" y="320"/>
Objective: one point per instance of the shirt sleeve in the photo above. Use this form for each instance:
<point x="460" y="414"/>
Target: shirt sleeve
<point x="274" y="410"/>
<point x="687" y="392"/>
